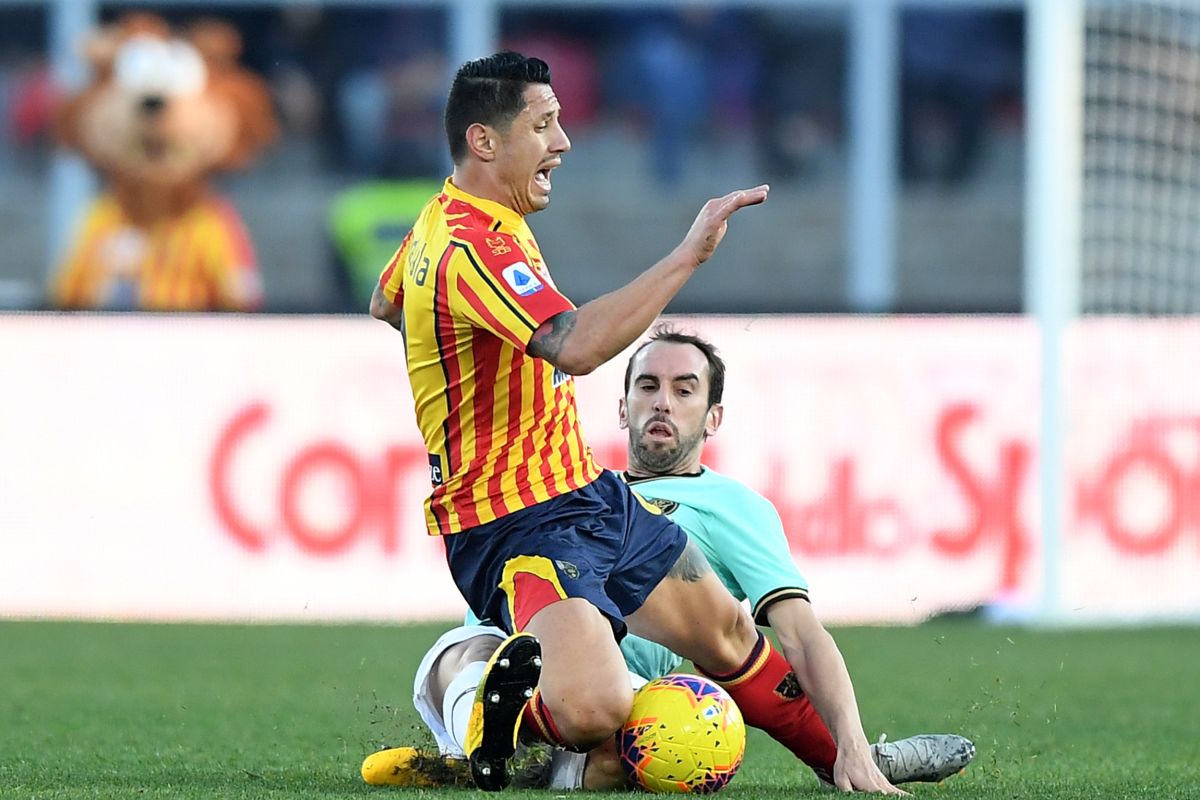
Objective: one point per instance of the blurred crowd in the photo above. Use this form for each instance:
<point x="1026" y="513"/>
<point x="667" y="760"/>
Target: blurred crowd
<point x="362" y="88"/>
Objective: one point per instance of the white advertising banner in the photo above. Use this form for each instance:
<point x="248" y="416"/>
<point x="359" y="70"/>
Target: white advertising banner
<point x="234" y="468"/>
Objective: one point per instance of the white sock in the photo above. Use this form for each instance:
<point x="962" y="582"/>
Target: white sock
<point x="459" y="697"/>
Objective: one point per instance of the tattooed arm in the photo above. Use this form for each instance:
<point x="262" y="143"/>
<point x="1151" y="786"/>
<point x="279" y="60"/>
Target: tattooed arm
<point x="386" y="310"/>
<point x="579" y="341"/>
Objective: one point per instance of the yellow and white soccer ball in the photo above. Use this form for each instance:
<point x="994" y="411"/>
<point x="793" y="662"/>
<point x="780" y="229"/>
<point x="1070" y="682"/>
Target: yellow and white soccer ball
<point x="685" y="734"/>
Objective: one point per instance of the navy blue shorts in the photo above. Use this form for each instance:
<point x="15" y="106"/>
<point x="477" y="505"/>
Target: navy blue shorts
<point x="601" y="543"/>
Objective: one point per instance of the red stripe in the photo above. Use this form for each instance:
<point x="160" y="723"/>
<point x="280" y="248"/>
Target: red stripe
<point x="485" y="354"/>
<point x="386" y="277"/>
<point x="448" y="343"/>
<point x="585" y="472"/>
<point x="464" y="504"/>
<point x="437" y="504"/>
<point x="484" y="310"/>
<point x="472" y="218"/>
<point x="549" y="468"/>
<point x="564" y="449"/>
<point x="531" y="593"/>
<point x="521" y="475"/>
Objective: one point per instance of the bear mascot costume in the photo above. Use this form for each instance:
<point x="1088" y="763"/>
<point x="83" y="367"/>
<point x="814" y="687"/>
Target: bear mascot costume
<point x="162" y="114"/>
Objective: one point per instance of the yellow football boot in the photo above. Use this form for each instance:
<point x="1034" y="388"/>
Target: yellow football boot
<point x="408" y="766"/>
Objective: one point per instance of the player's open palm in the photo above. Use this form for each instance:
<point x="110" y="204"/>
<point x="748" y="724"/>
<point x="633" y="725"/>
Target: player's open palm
<point x="711" y="223"/>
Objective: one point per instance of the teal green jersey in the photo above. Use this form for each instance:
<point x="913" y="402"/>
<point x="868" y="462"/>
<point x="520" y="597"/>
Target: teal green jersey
<point x="738" y="530"/>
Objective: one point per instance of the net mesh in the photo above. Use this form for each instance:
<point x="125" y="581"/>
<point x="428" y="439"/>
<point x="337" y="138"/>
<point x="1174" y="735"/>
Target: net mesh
<point x="1141" y="183"/>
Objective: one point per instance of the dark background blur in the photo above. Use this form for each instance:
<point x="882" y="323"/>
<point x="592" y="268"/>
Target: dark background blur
<point x="665" y="107"/>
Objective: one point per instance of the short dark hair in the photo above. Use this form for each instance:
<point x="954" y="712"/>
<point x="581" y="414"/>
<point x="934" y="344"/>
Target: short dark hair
<point x="490" y="91"/>
<point x="716" y="366"/>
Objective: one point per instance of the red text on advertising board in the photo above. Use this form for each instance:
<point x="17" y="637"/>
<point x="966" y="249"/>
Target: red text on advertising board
<point x="369" y="484"/>
<point x="1155" y="452"/>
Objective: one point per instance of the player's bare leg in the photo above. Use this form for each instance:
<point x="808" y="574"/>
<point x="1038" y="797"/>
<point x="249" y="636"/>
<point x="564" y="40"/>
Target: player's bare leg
<point x="584" y="682"/>
<point x="715" y="632"/>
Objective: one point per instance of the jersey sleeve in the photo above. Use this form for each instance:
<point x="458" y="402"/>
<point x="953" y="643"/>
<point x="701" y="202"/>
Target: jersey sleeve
<point x="753" y="550"/>
<point x="391" y="280"/>
<point x="497" y="289"/>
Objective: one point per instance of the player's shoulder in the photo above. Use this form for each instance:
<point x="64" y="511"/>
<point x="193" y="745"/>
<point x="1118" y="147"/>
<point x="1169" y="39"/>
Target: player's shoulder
<point x="493" y="248"/>
<point x="732" y="490"/>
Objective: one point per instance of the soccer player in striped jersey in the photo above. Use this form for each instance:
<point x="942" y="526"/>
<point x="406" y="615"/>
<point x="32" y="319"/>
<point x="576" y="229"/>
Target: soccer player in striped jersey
<point x="671" y="405"/>
<point x="539" y="539"/>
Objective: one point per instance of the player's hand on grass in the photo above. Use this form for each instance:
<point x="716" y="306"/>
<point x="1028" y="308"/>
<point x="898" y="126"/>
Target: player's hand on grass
<point x="855" y="771"/>
<point x="713" y="220"/>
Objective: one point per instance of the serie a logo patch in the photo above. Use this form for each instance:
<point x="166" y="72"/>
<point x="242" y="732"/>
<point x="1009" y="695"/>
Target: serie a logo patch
<point x="522" y="280"/>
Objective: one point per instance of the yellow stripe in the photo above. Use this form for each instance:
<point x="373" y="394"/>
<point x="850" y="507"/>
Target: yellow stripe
<point x="542" y="727"/>
<point x="540" y="566"/>
<point x="490" y="289"/>
<point x="646" y="504"/>
<point x="755" y="668"/>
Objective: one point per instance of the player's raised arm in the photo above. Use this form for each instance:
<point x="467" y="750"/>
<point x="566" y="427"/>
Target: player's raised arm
<point x="579" y="341"/>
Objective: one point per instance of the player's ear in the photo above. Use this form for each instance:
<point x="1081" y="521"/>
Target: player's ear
<point x="712" y="420"/>
<point x="622" y="414"/>
<point x="481" y="140"/>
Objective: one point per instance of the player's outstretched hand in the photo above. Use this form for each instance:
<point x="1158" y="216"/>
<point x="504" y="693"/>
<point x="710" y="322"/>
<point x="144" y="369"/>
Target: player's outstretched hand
<point x="710" y="225"/>
<point x="858" y="773"/>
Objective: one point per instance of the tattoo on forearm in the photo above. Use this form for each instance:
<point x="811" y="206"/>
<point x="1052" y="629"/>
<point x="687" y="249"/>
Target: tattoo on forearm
<point x="547" y="340"/>
<point x="691" y="565"/>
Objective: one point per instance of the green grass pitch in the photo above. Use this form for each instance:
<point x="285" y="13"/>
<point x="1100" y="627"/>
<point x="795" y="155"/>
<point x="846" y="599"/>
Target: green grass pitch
<point x="186" y="711"/>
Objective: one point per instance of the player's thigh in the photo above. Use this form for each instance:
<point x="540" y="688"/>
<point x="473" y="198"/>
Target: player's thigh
<point x="582" y="666"/>
<point x="691" y="612"/>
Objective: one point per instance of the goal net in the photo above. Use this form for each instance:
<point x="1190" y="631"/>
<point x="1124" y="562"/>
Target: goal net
<point x="1141" y="158"/>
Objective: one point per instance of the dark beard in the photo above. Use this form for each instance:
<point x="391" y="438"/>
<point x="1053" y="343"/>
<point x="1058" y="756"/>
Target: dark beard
<point x="661" y="460"/>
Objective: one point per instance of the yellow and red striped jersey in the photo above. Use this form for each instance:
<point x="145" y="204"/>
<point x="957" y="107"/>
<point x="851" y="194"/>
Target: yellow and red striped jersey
<point x="500" y="426"/>
<point x="200" y="261"/>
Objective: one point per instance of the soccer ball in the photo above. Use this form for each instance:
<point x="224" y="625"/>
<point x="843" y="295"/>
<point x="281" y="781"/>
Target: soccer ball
<point x="685" y="734"/>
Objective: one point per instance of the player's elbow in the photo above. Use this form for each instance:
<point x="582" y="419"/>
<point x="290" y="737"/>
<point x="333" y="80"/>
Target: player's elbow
<point x="581" y="364"/>
<point x="383" y="309"/>
<point x="566" y="356"/>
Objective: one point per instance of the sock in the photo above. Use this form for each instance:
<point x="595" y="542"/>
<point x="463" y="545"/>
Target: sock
<point x="457" y="702"/>
<point x="566" y="770"/>
<point x="767" y="692"/>
<point x="537" y="724"/>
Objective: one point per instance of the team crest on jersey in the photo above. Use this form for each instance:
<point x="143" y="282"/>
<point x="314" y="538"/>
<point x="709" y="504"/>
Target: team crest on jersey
<point x="522" y="280"/>
<point x="498" y="245"/>
<point x="568" y="569"/>
<point x="665" y="506"/>
<point x="789" y="687"/>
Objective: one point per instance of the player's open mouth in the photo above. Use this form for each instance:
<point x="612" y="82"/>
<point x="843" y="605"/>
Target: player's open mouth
<point x="660" y="430"/>
<point x="542" y="177"/>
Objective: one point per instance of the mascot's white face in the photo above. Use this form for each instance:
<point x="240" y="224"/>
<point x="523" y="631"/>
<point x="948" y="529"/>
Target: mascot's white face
<point x="154" y="121"/>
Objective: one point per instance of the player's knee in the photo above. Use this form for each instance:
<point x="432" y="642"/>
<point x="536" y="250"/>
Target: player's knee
<point x="593" y="717"/>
